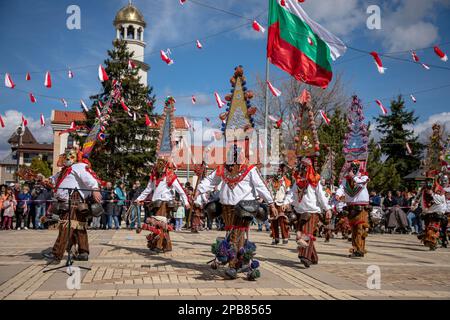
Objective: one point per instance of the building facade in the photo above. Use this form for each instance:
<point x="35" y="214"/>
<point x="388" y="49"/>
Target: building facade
<point x="24" y="148"/>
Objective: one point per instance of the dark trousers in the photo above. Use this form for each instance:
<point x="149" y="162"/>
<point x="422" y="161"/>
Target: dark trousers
<point x="19" y="217"/>
<point x="31" y="218"/>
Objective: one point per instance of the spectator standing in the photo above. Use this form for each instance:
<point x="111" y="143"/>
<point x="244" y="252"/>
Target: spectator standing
<point x="179" y="216"/>
<point x="40" y="195"/>
<point x="134" y="193"/>
<point x="119" y="197"/>
<point x="8" y="207"/>
<point x="3" y="197"/>
<point x="23" y="200"/>
<point x="108" y="205"/>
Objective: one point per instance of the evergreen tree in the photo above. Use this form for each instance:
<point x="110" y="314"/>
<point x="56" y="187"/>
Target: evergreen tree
<point x="332" y="137"/>
<point x="395" y="135"/>
<point x="129" y="145"/>
<point x="383" y="175"/>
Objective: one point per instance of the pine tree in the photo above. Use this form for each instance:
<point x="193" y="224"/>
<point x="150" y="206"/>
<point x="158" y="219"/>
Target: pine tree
<point x="395" y="135"/>
<point x="383" y="175"/>
<point x="129" y="145"/>
<point x="332" y="137"/>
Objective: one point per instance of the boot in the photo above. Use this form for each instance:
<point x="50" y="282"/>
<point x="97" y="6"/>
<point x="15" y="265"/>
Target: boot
<point x="82" y="257"/>
<point x="231" y="273"/>
<point x="306" y="262"/>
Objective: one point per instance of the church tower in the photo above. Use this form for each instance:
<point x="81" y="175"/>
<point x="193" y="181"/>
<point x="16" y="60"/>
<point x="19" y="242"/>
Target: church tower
<point x="130" y="26"/>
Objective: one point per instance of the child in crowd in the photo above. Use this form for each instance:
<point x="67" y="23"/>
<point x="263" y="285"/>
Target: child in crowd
<point x="9" y="206"/>
<point x="179" y="216"/>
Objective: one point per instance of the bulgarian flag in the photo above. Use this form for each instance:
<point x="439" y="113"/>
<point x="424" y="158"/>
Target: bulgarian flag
<point x="299" y="45"/>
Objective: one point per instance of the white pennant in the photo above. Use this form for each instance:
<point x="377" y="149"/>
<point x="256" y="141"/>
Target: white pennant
<point x="8" y="81"/>
<point x="84" y="106"/>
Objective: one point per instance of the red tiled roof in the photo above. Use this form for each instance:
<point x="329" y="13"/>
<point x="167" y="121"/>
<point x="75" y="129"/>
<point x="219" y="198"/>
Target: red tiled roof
<point x="180" y="123"/>
<point x="67" y="117"/>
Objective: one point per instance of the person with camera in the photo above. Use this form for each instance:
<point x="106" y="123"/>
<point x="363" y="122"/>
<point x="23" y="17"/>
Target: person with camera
<point x="76" y="181"/>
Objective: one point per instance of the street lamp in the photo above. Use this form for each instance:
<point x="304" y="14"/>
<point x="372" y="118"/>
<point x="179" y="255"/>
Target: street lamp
<point x="19" y="133"/>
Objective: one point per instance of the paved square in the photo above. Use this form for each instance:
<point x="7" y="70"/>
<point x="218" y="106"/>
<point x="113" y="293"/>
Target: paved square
<point x="123" y="268"/>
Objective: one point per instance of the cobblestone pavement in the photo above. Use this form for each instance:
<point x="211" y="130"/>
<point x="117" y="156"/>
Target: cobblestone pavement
<point x="123" y="268"/>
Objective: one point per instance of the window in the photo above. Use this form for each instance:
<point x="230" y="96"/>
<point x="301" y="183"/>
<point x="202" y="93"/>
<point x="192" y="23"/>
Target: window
<point x="70" y="142"/>
<point x="130" y="32"/>
<point x="139" y="35"/>
<point x="122" y="33"/>
<point x="10" y="169"/>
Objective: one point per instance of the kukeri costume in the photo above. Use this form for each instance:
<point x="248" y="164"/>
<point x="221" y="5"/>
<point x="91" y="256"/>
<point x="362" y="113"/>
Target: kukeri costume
<point x="241" y="185"/>
<point x="163" y="184"/>
<point x="434" y="203"/>
<point x="79" y="175"/>
<point x="306" y="195"/>
<point x="308" y="200"/>
<point x="354" y="179"/>
<point x="279" y="185"/>
<point x="356" y="196"/>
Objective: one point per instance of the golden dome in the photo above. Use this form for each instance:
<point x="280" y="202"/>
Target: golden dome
<point x="129" y="14"/>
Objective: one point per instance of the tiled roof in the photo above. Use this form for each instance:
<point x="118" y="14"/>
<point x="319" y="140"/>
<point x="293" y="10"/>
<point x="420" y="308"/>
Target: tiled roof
<point x="67" y="117"/>
<point x="27" y="137"/>
<point x="8" y="160"/>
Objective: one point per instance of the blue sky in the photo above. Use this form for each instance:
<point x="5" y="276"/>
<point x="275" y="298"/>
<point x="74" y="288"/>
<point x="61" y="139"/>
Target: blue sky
<point x="35" y="38"/>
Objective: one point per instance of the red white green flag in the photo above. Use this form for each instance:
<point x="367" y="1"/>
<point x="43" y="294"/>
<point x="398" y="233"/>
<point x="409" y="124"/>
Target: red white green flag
<point x="299" y="45"/>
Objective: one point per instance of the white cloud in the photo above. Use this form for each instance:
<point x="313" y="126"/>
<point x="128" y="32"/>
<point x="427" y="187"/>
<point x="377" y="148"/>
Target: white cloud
<point x="341" y="17"/>
<point x="13" y="119"/>
<point x="409" y="24"/>
<point x="423" y="129"/>
<point x="178" y="24"/>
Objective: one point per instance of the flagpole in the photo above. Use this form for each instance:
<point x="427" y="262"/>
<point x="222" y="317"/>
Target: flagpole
<point x="266" y="120"/>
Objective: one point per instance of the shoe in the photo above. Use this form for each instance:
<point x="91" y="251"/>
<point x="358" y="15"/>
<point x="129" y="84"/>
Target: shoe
<point x="52" y="257"/>
<point x="275" y="241"/>
<point x="82" y="257"/>
<point x="18" y="229"/>
<point x="231" y="273"/>
<point x="25" y="228"/>
<point x="285" y="241"/>
<point x="305" y="262"/>
<point x="356" y="254"/>
<point x="54" y="262"/>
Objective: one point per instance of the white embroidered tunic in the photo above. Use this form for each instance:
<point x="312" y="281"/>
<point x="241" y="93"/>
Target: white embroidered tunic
<point x="80" y="178"/>
<point x="246" y="189"/>
<point x="358" y="195"/>
<point x="163" y="192"/>
<point x="308" y="200"/>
